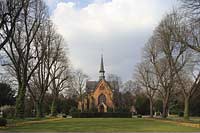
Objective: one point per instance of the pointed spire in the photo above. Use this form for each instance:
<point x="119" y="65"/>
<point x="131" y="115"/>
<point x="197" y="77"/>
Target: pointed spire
<point x="102" y="65"/>
<point x="102" y="71"/>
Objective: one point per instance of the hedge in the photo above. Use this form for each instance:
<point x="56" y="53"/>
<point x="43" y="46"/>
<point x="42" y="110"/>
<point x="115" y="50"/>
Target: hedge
<point x="181" y="114"/>
<point x="101" y="115"/>
<point x="3" y="122"/>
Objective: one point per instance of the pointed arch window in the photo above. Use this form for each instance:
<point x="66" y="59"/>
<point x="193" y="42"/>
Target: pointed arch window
<point x="102" y="99"/>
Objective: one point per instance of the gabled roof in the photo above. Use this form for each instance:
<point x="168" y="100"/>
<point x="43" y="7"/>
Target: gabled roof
<point x="91" y="85"/>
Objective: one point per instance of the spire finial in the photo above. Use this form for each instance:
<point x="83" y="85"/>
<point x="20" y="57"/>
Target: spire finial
<point x="102" y="71"/>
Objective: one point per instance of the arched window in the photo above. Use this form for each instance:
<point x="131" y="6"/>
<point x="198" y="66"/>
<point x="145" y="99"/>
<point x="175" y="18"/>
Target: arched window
<point x="102" y="98"/>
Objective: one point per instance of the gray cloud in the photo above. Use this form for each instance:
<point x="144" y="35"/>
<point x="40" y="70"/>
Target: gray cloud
<point x="120" y="28"/>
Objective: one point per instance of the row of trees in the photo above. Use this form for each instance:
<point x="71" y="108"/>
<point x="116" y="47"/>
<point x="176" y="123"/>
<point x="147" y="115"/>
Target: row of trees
<point x="170" y="63"/>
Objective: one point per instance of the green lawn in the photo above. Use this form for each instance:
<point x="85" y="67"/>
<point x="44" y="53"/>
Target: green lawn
<point x="177" y="118"/>
<point x="101" y="125"/>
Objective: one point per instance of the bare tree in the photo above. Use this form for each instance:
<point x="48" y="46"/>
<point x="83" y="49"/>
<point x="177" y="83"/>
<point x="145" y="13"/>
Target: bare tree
<point x="192" y="9"/>
<point x="162" y="72"/>
<point x="189" y="31"/>
<point x="168" y="57"/>
<point x="130" y="86"/>
<point x="116" y="84"/>
<point x="60" y="73"/>
<point x="187" y="38"/>
<point x="115" y="81"/>
<point x="148" y="81"/>
<point x="21" y="49"/>
<point x="9" y="14"/>
<point x="159" y="50"/>
<point x="77" y="83"/>
<point x="49" y="52"/>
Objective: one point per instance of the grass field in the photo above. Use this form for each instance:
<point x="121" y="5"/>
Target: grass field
<point x="98" y="125"/>
<point x="177" y="118"/>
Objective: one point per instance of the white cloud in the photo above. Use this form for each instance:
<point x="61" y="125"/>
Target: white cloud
<point x="119" y="27"/>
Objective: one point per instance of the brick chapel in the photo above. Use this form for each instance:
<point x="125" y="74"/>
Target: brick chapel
<point x="99" y="94"/>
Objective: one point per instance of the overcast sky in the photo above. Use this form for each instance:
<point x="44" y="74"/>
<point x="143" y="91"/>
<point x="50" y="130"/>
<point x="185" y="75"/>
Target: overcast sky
<point x="117" y="28"/>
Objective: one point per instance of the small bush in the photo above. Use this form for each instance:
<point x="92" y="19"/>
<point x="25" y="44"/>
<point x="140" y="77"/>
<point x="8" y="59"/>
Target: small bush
<point x="8" y="111"/>
<point x="139" y="116"/>
<point x="110" y="109"/>
<point x="157" y="113"/>
<point x="181" y="114"/>
<point x="73" y="110"/>
<point x="3" y="122"/>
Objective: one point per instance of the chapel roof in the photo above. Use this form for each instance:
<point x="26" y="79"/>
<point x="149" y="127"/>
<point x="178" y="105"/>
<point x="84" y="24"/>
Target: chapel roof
<point x="91" y="85"/>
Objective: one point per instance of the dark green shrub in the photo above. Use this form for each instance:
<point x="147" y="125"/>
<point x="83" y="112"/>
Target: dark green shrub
<point x="75" y="115"/>
<point x="139" y="116"/>
<point x="141" y="104"/>
<point x="73" y="110"/>
<point x="181" y="114"/>
<point x="110" y="109"/>
<point x="101" y="115"/>
<point x="7" y="94"/>
<point x="158" y="105"/>
<point x="157" y="113"/>
<point x="3" y="122"/>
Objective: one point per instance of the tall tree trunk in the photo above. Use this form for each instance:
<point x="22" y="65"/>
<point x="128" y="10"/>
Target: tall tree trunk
<point x="165" y="109"/>
<point x="39" y="111"/>
<point x="54" y="105"/>
<point x="82" y="103"/>
<point x="151" y="107"/>
<point x="186" y="108"/>
<point x="20" y="101"/>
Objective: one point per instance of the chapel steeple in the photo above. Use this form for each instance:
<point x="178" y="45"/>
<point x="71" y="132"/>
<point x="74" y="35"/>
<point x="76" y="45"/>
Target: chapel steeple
<point x="102" y="71"/>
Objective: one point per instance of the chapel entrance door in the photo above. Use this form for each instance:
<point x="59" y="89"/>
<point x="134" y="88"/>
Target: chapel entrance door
<point x="101" y="109"/>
